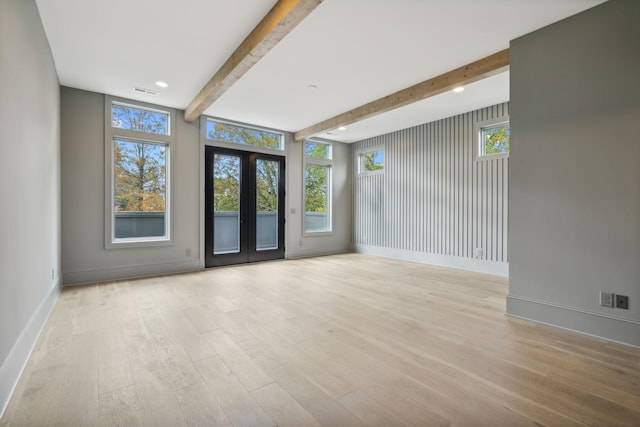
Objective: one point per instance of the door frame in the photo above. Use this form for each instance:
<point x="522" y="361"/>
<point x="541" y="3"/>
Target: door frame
<point x="248" y="251"/>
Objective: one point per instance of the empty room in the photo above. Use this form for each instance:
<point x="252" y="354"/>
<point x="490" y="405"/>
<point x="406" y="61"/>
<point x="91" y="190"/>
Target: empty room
<point x="320" y="213"/>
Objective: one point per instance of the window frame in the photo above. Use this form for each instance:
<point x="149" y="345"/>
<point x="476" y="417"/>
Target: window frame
<point x="313" y="141"/>
<point x="328" y="163"/>
<point x="363" y="152"/>
<point x="236" y="146"/>
<point x="168" y="141"/>
<point x="478" y="142"/>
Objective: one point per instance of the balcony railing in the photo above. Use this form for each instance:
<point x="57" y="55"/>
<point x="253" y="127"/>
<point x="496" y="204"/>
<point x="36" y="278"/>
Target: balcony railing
<point x="226" y="226"/>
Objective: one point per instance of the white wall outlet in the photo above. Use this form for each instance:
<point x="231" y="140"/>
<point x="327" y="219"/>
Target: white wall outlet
<point x="293" y="210"/>
<point x="606" y="299"/>
<point x="53" y="273"/>
<point x="188" y="252"/>
<point x="479" y="253"/>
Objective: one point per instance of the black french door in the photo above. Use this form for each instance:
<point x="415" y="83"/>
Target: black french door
<point x="244" y="206"/>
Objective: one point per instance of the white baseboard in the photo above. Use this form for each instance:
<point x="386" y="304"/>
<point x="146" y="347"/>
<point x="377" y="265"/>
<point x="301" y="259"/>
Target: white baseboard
<point x="610" y="328"/>
<point x="80" y="277"/>
<point x="17" y="359"/>
<point x="470" y="264"/>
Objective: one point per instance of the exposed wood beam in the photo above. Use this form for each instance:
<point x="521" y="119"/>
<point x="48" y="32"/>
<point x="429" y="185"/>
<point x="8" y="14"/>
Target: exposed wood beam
<point x="280" y="20"/>
<point x="469" y="73"/>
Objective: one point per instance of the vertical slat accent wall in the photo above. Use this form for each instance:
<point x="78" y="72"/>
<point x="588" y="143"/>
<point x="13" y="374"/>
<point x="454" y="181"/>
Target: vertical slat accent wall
<point x="434" y="196"/>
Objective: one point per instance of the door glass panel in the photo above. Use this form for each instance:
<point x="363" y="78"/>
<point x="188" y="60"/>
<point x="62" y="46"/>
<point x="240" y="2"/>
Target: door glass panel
<point x="226" y="204"/>
<point x="267" y="174"/>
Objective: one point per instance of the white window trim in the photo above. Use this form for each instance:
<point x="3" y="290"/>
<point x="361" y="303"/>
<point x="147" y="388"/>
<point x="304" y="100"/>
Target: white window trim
<point x="319" y="162"/>
<point x="242" y="147"/>
<point x="370" y="150"/>
<point x="169" y="140"/>
<point x="477" y="140"/>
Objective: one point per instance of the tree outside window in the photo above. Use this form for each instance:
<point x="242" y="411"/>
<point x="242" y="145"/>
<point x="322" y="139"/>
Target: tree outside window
<point x="495" y="139"/>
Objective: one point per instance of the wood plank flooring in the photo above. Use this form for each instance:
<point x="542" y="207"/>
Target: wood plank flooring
<point x="346" y="340"/>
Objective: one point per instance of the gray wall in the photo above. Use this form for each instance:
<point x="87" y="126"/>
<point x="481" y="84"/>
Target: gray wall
<point x="29" y="186"/>
<point x="298" y="243"/>
<point x="84" y="257"/>
<point x="575" y="172"/>
<point x="435" y="202"/>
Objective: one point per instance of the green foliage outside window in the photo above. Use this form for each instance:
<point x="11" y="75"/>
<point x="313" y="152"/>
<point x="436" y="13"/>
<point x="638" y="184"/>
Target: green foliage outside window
<point x="316" y="187"/>
<point x="267" y="175"/>
<point x="371" y="162"/>
<point x="225" y="132"/>
<point x="140" y="168"/>
<point x="226" y="183"/>
<point x="495" y="139"/>
<point x="227" y="169"/>
<point x="139" y="176"/>
<point x="139" y="119"/>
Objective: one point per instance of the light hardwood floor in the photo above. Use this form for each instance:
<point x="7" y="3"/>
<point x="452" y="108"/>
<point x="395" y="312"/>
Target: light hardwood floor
<point x="347" y="340"/>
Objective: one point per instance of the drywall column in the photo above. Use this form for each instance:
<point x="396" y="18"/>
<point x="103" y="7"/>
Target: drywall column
<point x="29" y="186"/>
<point x="574" y="178"/>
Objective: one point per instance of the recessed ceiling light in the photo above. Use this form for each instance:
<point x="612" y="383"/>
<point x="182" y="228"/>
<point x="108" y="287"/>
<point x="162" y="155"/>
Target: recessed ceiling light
<point x="458" y="89"/>
<point x="342" y="128"/>
<point x="161" y="84"/>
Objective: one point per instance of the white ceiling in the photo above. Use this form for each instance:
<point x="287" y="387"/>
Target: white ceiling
<point x="354" y="51"/>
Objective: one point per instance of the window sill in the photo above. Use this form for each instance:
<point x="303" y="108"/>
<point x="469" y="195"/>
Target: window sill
<point x="317" y="233"/>
<point x="137" y="243"/>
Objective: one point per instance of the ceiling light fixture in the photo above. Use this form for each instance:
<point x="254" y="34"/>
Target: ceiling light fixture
<point x="161" y="84"/>
<point x="458" y="89"/>
<point x="342" y="128"/>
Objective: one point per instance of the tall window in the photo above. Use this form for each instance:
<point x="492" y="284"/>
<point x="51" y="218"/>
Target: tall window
<point x="226" y="132"/>
<point x="138" y="152"/>
<point x="493" y="139"/>
<point x="317" y="187"/>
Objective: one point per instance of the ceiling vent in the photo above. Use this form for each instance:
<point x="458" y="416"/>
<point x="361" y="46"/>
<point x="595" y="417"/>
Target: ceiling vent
<point x="145" y="91"/>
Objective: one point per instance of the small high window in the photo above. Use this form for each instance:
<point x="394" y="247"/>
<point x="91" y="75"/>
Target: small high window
<point x="493" y="140"/>
<point x="235" y="134"/>
<point x="371" y="161"/>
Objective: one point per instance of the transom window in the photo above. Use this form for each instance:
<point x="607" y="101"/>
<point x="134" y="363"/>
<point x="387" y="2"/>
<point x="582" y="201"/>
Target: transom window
<point x="317" y="150"/>
<point x="138" y="154"/>
<point x="136" y="118"/>
<point x="235" y="134"/>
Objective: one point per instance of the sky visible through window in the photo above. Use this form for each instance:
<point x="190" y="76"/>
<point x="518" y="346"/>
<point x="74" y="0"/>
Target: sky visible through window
<point x="138" y="119"/>
<point x="371" y="162"/>
<point x="495" y="139"/>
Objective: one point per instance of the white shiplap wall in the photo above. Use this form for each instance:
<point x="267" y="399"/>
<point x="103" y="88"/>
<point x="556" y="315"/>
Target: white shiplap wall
<point x="435" y="202"/>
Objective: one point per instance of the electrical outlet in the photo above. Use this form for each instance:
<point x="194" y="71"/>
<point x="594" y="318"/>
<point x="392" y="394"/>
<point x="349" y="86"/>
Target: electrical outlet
<point x="622" y="301"/>
<point x="606" y="299"/>
<point x="188" y="252"/>
<point x="479" y="253"/>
